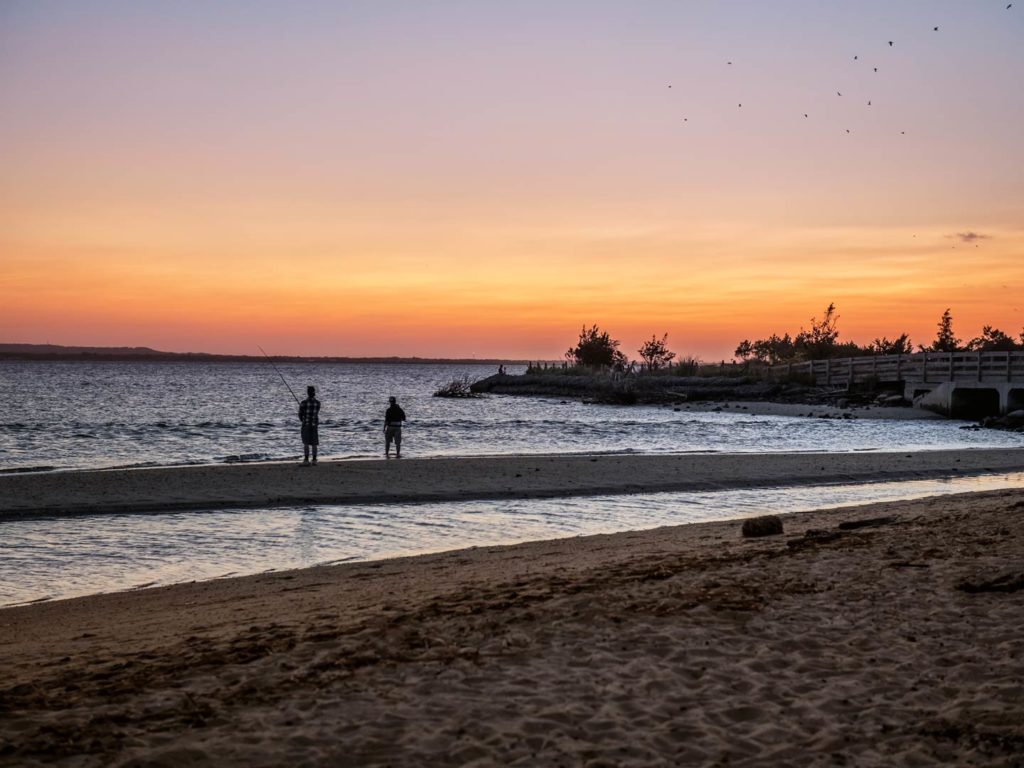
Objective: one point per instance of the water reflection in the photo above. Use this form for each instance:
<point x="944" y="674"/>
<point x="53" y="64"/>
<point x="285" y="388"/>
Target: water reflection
<point x="65" y="557"/>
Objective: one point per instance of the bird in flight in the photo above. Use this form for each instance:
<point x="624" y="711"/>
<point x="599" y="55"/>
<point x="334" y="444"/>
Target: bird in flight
<point x="936" y="29"/>
<point x="890" y="43"/>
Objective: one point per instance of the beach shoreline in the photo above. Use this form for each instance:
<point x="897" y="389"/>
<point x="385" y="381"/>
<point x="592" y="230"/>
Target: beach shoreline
<point x="687" y="643"/>
<point x="410" y="480"/>
<point x="815" y="410"/>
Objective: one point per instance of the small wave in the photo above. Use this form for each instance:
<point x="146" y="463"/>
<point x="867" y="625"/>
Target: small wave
<point x="136" y="465"/>
<point x="241" y="458"/>
<point x="18" y="470"/>
<point x="351" y="559"/>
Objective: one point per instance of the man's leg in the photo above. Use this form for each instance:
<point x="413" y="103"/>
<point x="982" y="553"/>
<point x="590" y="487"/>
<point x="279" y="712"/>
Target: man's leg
<point x="398" y="443"/>
<point x="305" y="453"/>
<point x="387" y="442"/>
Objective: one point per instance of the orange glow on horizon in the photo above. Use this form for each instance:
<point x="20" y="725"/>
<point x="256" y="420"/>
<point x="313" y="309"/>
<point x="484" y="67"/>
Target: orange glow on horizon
<point x="519" y="295"/>
<point x="483" y="180"/>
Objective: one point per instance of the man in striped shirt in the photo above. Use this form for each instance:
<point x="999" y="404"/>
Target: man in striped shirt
<point x="309" y="415"/>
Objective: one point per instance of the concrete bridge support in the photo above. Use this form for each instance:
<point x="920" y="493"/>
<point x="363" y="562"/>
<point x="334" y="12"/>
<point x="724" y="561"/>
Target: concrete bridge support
<point x="967" y="400"/>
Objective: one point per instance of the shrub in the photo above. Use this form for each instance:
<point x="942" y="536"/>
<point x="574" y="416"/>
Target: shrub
<point x="595" y="348"/>
<point x="655" y="353"/>
<point x="459" y="387"/>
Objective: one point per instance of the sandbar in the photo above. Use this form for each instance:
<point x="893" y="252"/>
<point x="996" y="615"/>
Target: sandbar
<point x="451" y="479"/>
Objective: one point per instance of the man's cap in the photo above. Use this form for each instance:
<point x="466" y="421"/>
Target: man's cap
<point x="392" y="399"/>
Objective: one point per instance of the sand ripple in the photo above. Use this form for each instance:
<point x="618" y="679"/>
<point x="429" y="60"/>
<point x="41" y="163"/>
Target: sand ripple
<point x="679" y="646"/>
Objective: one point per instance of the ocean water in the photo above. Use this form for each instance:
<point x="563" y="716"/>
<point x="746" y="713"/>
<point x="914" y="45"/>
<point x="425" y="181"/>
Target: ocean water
<point x="102" y="414"/>
<point x="91" y="415"/>
<point x="53" y="558"/>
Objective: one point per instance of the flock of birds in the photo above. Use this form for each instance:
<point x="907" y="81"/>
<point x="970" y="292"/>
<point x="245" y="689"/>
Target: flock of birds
<point x="839" y="93"/>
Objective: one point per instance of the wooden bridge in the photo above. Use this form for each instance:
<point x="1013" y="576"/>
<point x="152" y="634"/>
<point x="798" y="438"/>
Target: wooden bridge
<point x="955" y="383"/>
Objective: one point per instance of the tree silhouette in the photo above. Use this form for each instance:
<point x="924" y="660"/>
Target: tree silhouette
<point x="774" y="349"/>
<point x="595" y="348"/>
<point x="901" y="345"/>
<point x="655" y="353"/>
<point x="992" y="340"/>
<point x="820" y="340"/>
<point x="945" y="340"/>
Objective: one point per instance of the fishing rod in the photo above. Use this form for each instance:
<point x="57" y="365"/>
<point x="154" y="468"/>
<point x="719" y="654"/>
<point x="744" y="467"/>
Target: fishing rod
<point x="279" y="373"/>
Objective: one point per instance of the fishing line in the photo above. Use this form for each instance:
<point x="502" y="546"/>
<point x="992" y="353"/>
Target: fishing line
<point x="278" y="373"/>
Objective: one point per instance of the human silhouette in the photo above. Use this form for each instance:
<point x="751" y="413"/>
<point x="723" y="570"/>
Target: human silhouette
<point x="309" y="415"/>
<point x="393" y="418"/>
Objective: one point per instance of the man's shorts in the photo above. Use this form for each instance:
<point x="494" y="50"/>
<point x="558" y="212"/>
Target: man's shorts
<point x="393" y="433"/>
<point x="310" y="435"/>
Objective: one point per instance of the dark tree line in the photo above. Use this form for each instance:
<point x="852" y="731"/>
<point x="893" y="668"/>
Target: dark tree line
<point x="597" y="349"/>
<point x="821" y="340"/>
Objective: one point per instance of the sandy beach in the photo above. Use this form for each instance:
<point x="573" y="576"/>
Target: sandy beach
<point x="898" y="642"/>
<point x="451" y="479"/>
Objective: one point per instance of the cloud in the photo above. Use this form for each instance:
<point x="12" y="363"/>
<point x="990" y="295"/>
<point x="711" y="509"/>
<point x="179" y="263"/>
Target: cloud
<point x="970" y="237"/>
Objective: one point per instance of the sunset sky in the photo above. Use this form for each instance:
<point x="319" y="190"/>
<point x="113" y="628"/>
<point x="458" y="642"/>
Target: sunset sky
<point x="474" y="178"/>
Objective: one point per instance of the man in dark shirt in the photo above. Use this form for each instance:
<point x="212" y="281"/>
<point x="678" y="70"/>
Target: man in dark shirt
<point x="309" y="415"/>
<point x="393" y="418"/>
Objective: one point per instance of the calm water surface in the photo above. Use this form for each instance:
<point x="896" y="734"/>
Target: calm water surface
<point x="82" y="415"/>
<point x="51" y="558"/>
<point x="86" y="415"/>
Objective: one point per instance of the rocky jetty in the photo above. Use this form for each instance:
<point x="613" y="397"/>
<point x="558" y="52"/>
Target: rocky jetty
<point x="609" y="388"/>
<point x="627" y="389"/>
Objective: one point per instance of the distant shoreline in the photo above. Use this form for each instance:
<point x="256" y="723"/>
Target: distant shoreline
<point x="199" y="357"/>
<point x="59" y="352"/>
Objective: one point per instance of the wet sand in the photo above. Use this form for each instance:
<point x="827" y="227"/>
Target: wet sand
<point x="895" y="643"/>
<point x="451" y="479"/>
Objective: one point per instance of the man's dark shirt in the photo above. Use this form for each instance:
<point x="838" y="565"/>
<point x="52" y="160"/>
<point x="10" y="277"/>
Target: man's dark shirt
<point x="394" y="416"/>
<point x="309" y="412"/>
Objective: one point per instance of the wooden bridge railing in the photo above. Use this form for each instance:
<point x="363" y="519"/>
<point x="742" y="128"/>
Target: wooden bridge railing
<point x="919" y="368"/>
